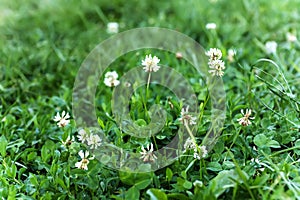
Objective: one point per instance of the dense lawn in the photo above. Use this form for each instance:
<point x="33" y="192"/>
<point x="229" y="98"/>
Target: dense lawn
<point x="43" y="45"/>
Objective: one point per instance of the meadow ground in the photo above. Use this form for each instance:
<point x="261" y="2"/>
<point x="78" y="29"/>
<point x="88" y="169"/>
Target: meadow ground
<point x="44" y="156"/>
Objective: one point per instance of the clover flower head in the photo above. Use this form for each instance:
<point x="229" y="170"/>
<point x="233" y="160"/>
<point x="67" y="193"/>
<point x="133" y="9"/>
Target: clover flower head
<point x="112" y="27"/>
<point x="201" y="152"/>
<point x="63" y="119"/>
<point x="83" y="164"/>
<point x="230" y="55"/>
<point x="210" y="26"/>
<point x="94" y="141"/>
<point x="245" y="120"/>
<point x="271" y="47"/>
<point x="291" y="37"/>
<point x="111" y="79"/>
<point x="189" y="144"/>
<point x="214" y="54"/>
<point x="147" y="154"/>
<point x="217" y="67"/>
<point x="82" y="135"/>
<point x="187" y="118"/>
<point x="150" y="63"/>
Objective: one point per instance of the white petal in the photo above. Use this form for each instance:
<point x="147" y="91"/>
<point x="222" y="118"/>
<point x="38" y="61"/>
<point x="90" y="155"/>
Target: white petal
<point x="81" y="154"/>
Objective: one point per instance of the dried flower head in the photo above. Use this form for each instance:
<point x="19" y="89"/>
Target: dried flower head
<point x="68" y="141"/>
<point x="62" y="120"/>
<point x="189" y="144"/>
<point x="94" y="141"/>
<point x="186" y="118"/>
<point x="147" y="154"/>
<point x="201" y="152"/>
<point x="245" y="120"/>
<point x="150" y="64"/>
<point x="83" y="164"/>
<point x="110" y="79"/>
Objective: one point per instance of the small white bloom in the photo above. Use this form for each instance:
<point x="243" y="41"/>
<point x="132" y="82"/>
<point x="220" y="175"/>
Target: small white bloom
<point x="245" y="120"/>
<point x="82" y="135"/>
<point x="83" y="164"/>
<point x="112" y="27"/>
<point x="214" y="54"/>
<point x="3" y="119"/>
<point x="291" y="37"/>
<point x="198" y="183"/>
<point x="230" y="55"/>
<point x="217" y="67"/>
<point x="110" y="79"/>
<point x="271" y="47"/>
<point x="189" y="144"/>
<point x="62" y="120"/>
<point x="94" y="141"/>
<point x="148" y="155"/>
<point x="210" y="26"/>
<point x="201" y="153"/>
<point x="150" y="64"/>
<point x="187" y="118"/>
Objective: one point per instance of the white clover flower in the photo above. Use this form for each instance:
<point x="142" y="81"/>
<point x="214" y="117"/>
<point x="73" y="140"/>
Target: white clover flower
<point x="148" y="155"/>
<point x="150" y="64"/>
<point x="187" y="118"/>
<point x="217" y="67"/>
<point x="201" y="153"/>
<point x="189" y="144"/>
<point x="271" y="47"/>
<point x="83" y="164"/>
<point x="62" y="120"/>
<point x="68" y="141"/>
<point x="245" y="120"/>
<point x="214" y="54"/>
<point x="110" y="79"/>
<point x="94" y="141"/>
<point x="82" y="135"/>
<point x="210" y="26"/>
<point x="230" y="55"/>
<point x="112" y="27"/>
<point x="291" y="37"/>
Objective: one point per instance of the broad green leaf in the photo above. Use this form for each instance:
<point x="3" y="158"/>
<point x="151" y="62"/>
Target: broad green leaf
<point x="132" y="193"/>
<point x="3" y="144"/>
<point x="169" y="174"/>
<point x="156" y="194"/>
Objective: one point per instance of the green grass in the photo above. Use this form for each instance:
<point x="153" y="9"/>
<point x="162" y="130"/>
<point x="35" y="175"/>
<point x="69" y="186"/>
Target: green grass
<point x="43" y="44"/>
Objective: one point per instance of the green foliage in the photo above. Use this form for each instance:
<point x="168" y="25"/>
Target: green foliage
<point x="43" y="44"/>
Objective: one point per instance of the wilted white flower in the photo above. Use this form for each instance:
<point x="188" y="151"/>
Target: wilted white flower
<point x="83" y="164"/>
<point x="214" y="54"/>
<point x="112" y="27"/>
<point x="150" y="64"/>
<point x="230" y="55"/>
<point x="271" y="47"/>
<point x="148" y="155"/>
<point x="245" y="120"/>
<point x="68" y="141"/>
<point x="82" y="135"/>
<point x="110" y="79"/>
<point x="210" y="26"/>
<point x="94" y="141"/>
<point x="62" y="120"/>
<point x="217" y="67"/>
<point x="291" y="37"/>
<point x="186" y="118"/>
